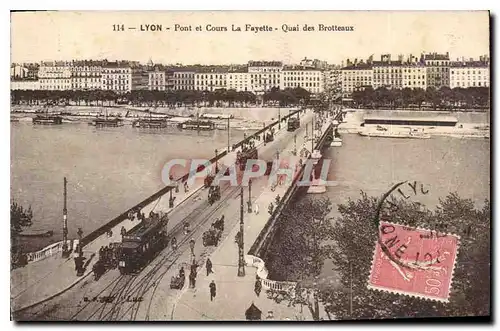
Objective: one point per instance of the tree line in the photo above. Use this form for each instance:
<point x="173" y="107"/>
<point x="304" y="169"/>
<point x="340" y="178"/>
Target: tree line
<point x="308" y="237"/>
<point x="418" y="98"/>
<point x="155" y="98"/>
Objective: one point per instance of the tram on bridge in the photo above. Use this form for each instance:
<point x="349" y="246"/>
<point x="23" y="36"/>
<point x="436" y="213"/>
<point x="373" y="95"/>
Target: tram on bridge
<point x="142" y="243"/>
<point x="248" y="152"/>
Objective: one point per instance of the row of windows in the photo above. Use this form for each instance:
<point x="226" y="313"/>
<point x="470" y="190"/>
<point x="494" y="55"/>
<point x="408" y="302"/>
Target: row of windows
<point x="468" y="84"/>
<point x="302" y="78"/>
<point x="260" y="76"/>
<point x="301" y="73"/>
<point x="176" y="75"/>
<point x="217" y="82"/>
<point x="469" y="78"/>
<point x="117" y="81"/>
<point x="438" y="63"/>
<point x="184" y="82"/>
<point x="211" y="76"/>
<point x="305" y="84"/>
<point x="116" y="71"/>
<point x="261" y="82"/>
<point x="468" y="72"/>
<point x="54" y="81"/>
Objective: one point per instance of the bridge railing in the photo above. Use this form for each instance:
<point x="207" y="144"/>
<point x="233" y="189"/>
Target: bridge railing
<point x="263" y="236"/>
<point x="47" y="251"/>
<point x="120" y="218"/>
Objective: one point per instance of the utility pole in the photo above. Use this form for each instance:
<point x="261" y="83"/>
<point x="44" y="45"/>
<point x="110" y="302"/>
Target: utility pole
<point x="279" y="118"/>
<point x="350" y="297"/>
<point x="295" y="144"/>
<point x="228" y="124"/>
<point x="241" y="260"/>
<point x="65" y="251"/>
<point x="250" y="196"/>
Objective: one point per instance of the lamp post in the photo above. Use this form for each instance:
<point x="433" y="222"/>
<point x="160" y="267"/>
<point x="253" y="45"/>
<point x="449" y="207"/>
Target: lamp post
<point x="65" y="251"/>
<point x="80" y="234"/>
<point x="279" y="118"/>
<point x="191" y="245"/>
<point x="250" y="196"/>
<point x="228" y="125"/>
<point x="241" y="259"/>
<point x="216" y="162"/>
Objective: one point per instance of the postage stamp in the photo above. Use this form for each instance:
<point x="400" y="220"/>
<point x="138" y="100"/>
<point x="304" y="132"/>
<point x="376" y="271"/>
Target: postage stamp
<point x="414" y="261"/>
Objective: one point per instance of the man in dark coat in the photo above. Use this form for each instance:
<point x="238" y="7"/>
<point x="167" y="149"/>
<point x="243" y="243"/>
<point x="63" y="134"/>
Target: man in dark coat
<point x="209" y="267"/>
<point x="213" y="290"/>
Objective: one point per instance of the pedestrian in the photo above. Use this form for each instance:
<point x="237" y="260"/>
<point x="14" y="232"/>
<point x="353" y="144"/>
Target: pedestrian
<point x="191" y="281"/>
<point x="209" y="267"/>
<point x="194" y="279"/>
<point x="213" y="290"/>
<point x="258" y="286"/>
<point x="256" y="209"/>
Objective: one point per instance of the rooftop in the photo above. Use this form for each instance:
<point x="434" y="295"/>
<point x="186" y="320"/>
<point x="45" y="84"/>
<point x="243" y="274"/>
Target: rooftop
<point x="469" y="64"/>
<point x="436" y="56"/>
<point x="265" y="63"/>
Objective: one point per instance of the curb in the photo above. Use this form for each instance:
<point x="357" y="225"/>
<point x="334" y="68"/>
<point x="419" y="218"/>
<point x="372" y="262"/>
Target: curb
<point x="53" y="295"/>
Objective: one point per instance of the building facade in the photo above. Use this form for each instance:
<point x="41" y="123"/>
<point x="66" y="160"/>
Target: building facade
<point x="437" y="69"/>
<point x="210" y="81"/>
<point x="238" y="81"/>
<point x="157" y="80"/>
<point x="356" y="76"/>
<point x="86" y="75"/>
<point x="414" y="76"/>
<point x="311" y="80"/>
<point x="183" y="80"/>
<point x="55" y="76"/>
<point x="264" y="75"/>
<point x="469" y="74"/>
<point x="25" y="84"/>
<point x="117" y="77"/>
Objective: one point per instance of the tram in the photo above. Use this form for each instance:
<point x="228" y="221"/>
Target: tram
<point x="248" y="152"/>
<point x="293" y="124"/>
<point x="142" y="243"/>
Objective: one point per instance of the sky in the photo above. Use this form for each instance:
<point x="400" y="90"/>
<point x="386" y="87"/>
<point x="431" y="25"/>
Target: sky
<point x="60" y="35"/>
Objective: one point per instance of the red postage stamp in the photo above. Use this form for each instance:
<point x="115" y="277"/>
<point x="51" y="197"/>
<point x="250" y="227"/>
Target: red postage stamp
<point x="414" y="261"/>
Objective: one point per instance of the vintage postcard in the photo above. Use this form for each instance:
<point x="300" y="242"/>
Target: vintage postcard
<point x="250" y="166"/>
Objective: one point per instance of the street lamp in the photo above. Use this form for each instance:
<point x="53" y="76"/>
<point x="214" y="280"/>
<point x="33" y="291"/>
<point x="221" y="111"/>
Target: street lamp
<point x="241" y="258"/>
<point x="65" y="250"/>
<point x="191" y="245"/>
<point x="80" y="234"/>
<point x="250" y="196"/>
<point x="216" y="162"/>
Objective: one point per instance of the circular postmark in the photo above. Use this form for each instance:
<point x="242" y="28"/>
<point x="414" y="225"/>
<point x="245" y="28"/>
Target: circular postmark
<point x="409" y="257"/>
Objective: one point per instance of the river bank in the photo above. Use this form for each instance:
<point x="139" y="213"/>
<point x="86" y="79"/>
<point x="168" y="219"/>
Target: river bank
<point x="469" y="125"/>
<point x="251" y="118"/>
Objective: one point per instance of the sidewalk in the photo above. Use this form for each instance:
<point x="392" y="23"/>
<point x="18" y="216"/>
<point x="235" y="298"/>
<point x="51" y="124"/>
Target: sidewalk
<point x="54" y="275"/>
<point x="236" y="294"/>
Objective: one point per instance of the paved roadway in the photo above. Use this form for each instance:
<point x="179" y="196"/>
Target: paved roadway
<point x="147" y="295"/>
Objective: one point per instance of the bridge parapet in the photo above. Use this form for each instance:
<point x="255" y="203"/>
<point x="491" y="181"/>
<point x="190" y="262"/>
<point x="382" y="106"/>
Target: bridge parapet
<point x="47" y="251"/>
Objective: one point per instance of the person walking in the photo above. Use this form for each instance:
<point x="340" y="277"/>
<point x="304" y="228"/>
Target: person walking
<point x="256" y="209"/>
<point x="213" y="290"/>
<point x="209" y="267"/>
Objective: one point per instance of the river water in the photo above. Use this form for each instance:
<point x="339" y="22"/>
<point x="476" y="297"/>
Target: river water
<point x="111" y="169"/>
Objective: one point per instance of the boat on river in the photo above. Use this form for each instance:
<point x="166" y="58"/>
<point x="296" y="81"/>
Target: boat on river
<point x="106" y="122"/>
<point x="197" y="125"/>
<point x="382" y="132"/>
<point x="37" y="233"/>
<point x="45" y="118"/>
